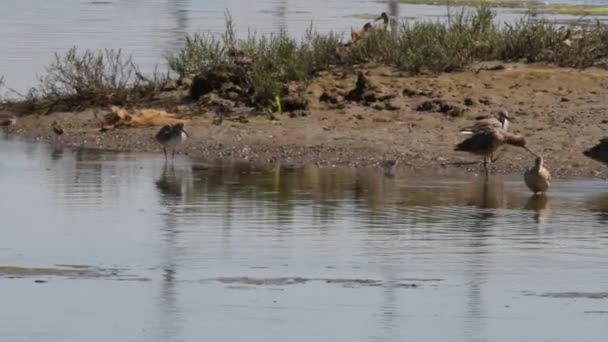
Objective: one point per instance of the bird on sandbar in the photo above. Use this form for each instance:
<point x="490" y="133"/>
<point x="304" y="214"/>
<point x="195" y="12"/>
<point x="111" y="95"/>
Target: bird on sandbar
<point x="500" y="121"/>
<point x="7" y="119"/>
<point x="487" y="140"/>
<point x="598" y="152"/>
<point x="538" y="178"/>
<point x="385" y="21"/>
<point x="388" y="165"/>
<point x="57" y="129"/>
<point x="169" y="136"/>
<point x="356" y="35"/>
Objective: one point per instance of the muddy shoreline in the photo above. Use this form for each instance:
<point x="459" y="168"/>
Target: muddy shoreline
<point x="561" y="111"/>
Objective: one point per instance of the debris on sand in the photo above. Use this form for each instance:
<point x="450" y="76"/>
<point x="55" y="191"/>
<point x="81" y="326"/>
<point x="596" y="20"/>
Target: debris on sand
<point x="120" y="116"/>
<point x="440" y="106"/>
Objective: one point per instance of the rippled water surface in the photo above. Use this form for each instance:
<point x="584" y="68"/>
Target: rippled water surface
<point x="32" y="31"/>
<point x="119" y="247"/>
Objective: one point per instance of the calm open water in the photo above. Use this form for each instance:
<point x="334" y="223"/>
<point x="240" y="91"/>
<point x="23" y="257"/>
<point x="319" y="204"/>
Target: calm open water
<point x="119" y="247"/>
<point x="33" y="31"/>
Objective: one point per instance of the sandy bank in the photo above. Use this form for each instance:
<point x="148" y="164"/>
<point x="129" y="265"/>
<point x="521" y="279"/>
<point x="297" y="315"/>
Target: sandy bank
<point x="561" y="111"/>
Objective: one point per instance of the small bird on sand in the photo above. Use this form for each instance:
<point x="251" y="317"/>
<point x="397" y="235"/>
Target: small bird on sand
<point x="500" y="121"/>
<point x="385" y="21"/>
<point x="169" y="136"/>
<point x="58" y="130"/>
<point x="487" y="140"/>
<point x="356" y="35"/>
<point x="388" y="165"/>
<point x="538" y="178"/>
<point x="7" y="119"/>
<point x="598" y="152"/>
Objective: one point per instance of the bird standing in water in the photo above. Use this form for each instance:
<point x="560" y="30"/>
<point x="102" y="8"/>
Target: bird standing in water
<point x="598" y="152"/>
<point x="169" y="136"/>
<point x="487" y="140"/>
<point x="538" y="178"/>
<point x="58" y="130"/>
<point x="388" y="165"/>
<point x="500" y="121"/>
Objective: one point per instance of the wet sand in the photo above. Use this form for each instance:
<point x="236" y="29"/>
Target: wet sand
<point x="560" y="111"/>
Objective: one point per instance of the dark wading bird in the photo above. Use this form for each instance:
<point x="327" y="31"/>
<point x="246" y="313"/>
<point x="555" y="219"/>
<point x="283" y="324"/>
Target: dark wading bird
<point x="57" y="129"/>
<point x="599" y="152"/>
<point x="169" y="136"/>
<point x="487" y="140"/>
<point x="388" y="165"/>
<point x="385" y="21"/>
<point x="538" y="178"/>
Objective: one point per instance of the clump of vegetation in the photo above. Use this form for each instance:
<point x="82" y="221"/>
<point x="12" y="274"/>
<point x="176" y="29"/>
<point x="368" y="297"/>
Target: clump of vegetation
<point x="467" y="37"/>
<point x="260" y="69"/>
<point x="76" y="80"/>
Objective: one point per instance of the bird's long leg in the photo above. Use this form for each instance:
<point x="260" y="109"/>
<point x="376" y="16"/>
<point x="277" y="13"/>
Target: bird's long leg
<point x="165" y="151"/>
<point x="172" y="154"/>
<point x="494" y="158"/>
<point x="485" y="166"/>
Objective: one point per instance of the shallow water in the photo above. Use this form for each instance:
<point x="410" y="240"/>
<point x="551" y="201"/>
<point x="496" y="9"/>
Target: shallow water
<point x="103" y="247"/>
<point x="33" y="31"/>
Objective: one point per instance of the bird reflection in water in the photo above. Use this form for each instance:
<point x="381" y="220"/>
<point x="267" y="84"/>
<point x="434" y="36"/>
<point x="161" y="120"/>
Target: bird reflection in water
<point x="169" y="186"/>
<point x="540" y="204"/>
<point x="599" y="205"/>
<point x="57" y="152"/>
<point x="486" y="193"/>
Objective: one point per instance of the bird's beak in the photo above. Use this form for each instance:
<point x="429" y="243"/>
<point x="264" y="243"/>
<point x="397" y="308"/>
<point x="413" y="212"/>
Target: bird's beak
<point x="186" y="133"/>
<point x="511" y="119"/>
<point x="532" y="152"/>
<point x="379" y="18"/>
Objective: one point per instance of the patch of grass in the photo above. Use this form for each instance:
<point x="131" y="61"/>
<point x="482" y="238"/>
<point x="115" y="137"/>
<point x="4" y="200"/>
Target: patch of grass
<point x="467" y="37"/>
<point x="259" y="68"/>
<point x="202" y="52"/>
<point x="75" y="80"/>
<point x="577" y="9"/>
<point x="549" y="8"/>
